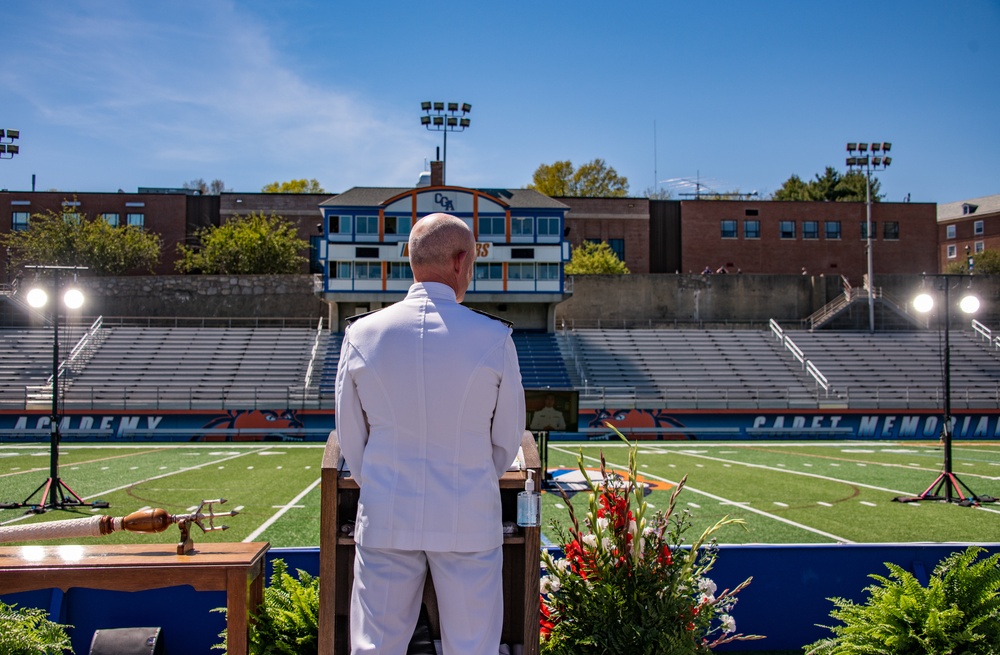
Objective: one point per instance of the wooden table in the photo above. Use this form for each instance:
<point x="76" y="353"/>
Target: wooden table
<point x="236" y="568"/>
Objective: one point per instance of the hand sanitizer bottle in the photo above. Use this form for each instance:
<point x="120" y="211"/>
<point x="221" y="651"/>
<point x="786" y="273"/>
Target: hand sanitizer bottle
<point x="529" y="512"/>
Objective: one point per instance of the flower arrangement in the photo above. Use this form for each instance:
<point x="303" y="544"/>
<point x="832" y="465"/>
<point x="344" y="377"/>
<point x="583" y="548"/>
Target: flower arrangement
<point x="626" y="583"/>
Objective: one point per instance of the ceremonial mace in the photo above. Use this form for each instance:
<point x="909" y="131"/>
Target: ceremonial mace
<point x="145" y="521"/>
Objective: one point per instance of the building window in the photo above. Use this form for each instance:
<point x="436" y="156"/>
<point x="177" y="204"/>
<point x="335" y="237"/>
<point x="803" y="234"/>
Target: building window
<point x="980" y="246"/>
<point x="950" y="232"/>
<point x="491" y="226"/>
<point x="786" y="229"/>
<point x="728" y="229"/>
<point x="490" y="271"/>
<point x="397" y="224"/>
<point x="952" y="251"/>
<point x="368" y="270"/>
<point x="110" y="219"/>
<point x="341" y="270"/>
<point x="19" y="221"/>
<point x="751" y="228"/>
<point x="864" y="229"/>
<point x="969" y="209"/>
<point x="977" y="228"/>
<point x="548" y="271"/>
<point x="400" y="271"/>
<point x="890" y="230"/>
<point x="618" y="247"/>
<point x="548" y="226"/>
<point x="832" y="230"/>
<point x="315" y="265"/>
<point x="810" y="230"/>
<point x="522" y="226"/>
<point x="367" y="225"/>
<point x="520" y="271"/>
<point x="340" y="225"/>
<point x="135" y="220"/>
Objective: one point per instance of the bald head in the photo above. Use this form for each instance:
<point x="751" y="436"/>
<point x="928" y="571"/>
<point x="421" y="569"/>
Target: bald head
<point x="442" y="249"/>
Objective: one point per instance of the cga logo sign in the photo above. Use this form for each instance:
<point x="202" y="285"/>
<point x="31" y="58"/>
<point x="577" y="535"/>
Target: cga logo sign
<point x="444" y="202"/>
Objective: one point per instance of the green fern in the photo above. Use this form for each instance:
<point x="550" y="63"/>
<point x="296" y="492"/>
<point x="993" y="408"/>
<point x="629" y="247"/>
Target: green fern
<point x="28" y="631"/>
<point x="287" y="622"/>
<point x="958" y="613"/>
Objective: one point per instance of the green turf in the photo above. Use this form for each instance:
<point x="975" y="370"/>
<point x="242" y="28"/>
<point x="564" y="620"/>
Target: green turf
<point x="786" y="492"/>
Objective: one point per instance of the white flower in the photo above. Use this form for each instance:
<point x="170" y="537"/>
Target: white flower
<point x="728" y="623"/>
<point x="549" y="583"/>
<point x="602" y="524"/>
<point x="590" y="540"/>
<point x="564" y="565"/>
<point x="706" y="586"/>
<point x="608" y="543"/>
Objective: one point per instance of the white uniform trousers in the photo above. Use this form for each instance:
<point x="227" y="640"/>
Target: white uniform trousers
<point x="388" y="587"/>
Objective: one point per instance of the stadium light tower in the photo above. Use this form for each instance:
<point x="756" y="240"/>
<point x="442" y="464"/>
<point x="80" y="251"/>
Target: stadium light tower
<point x="7" y="146"/>
<point x="859" y="160"/>
<point x="947" y="480"/>
<point x="438" y="118"/>
<point x="55" y="493"/>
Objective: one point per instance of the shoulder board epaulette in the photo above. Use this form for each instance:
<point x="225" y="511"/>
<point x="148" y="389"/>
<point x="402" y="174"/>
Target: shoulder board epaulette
<point x="509" y="324"/>
<point x="350" y="320"/>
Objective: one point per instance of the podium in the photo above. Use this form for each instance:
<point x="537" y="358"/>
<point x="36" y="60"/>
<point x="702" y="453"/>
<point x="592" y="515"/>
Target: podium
<point x="521" y="556"/>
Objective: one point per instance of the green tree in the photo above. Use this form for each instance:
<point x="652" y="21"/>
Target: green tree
<point x="294" y="186"/>
<point x="595" y="179"/>
<point x="829" y="186"/>
<point x="245" y="245"/>
<point x="71" y="239"/>
<point x="657" y="194"/>
<point x="592" y="258"/>
<point x="215" y="188"/>
<point x="986" y="262"/>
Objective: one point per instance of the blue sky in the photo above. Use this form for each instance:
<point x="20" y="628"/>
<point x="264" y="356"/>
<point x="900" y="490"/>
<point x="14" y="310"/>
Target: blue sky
<point x="112" y="94"/>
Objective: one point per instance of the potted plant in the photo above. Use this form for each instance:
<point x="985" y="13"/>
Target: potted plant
<point x="626" y="583"/>
<point x="958" y="612"/>
<point x="28" y="631"/>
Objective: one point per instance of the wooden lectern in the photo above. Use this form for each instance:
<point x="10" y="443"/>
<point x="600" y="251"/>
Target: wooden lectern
<point x="521" y="556"/>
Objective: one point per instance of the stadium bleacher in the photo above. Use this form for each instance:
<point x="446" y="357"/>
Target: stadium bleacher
<point x="154" y="366"/>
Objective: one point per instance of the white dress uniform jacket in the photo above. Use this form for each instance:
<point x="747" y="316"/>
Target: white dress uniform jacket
<point x="430" y="412"/>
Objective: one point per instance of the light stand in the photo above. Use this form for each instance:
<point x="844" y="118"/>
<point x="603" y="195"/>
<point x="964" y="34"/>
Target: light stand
<point x="859" y="159"/>
<point x="55" y="494"/>
<point x="7" y="146"/>
<point x="947" y="481"/>
<point x="445" y="121"/>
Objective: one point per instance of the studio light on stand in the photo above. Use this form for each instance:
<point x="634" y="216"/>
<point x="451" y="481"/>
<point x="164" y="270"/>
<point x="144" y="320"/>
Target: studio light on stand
<point x="947" y="481"/>
<point x="55" y="494"/>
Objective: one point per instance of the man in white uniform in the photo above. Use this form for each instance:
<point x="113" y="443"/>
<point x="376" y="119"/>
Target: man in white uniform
<point x="430" y="412"/>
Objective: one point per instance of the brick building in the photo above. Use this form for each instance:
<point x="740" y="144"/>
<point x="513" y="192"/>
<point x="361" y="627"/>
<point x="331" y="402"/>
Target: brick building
<point x="166" y="214"/>
<point x="764" y="237"/>
<point x="967" y="227"/>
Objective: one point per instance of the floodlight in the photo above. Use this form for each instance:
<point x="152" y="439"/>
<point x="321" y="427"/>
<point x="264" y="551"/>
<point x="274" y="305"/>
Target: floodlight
<point x="876" y="147"/>
<point x="37" y="297"/>
<point x="851" y="147"/>
<point x="73" y="298"/>
<point x="887" y="146"/>
<point x="13" y="150"/>
<point x="439" y="120"/>
<point x="886" y="161"/>
<point x="923" y="303"/>
<point x="13" y="134"/>
<point x="438" y="106"/>
<point x="862" y="147"/>
<point x="852" y="161"/>
<point x="452" y="121"/>
<point x="465" y="122"/>
<point x="452" y="106"/>
<point x="466" y="108"/>
<point x="969" y="304"/>
<point x="425" y="120"/>
<point x="876" y="161"/>
<point x="425" y="106"/>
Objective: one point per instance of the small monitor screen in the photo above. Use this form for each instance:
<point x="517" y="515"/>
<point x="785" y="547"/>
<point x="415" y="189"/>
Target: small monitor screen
<point x="552" y="410"/>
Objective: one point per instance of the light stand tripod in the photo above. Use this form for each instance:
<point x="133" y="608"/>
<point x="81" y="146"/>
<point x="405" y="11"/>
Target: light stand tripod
<point x="56" y="494"/>
<point x="947" y="481"/>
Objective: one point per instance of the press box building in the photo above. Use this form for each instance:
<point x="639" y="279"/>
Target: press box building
<point x="520" y="249"/>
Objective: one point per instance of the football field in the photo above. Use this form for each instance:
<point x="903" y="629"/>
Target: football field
<point x="787" y="492"/>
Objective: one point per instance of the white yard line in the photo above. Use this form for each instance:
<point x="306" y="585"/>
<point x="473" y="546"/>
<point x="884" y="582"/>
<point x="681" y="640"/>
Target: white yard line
<point x="720" y="499"/>
<point x="281" y="512"/>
